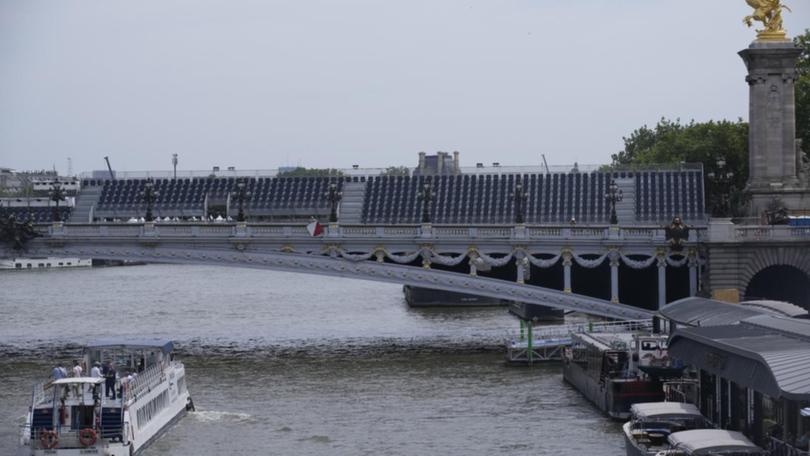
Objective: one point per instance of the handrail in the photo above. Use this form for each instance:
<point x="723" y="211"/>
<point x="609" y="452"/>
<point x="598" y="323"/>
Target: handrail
<point x="780" y="448"/>
<point x="144" y="381"/>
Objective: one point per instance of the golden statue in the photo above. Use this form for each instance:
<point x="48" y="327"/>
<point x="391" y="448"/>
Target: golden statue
<point x="769" y="12"/>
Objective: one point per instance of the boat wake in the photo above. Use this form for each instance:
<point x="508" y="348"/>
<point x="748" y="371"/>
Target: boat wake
<point x="208" y="416"/>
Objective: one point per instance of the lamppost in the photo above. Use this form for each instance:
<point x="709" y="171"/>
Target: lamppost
<point x="334" y="197"/>
<point x="519" y="197"/>
<point x="613" y="195"/>
<point x="56" y="194"/>
<point x="721" y="181"/>
<point x="241" y="194"/>
<point x="174" y="164"/>
<point x="149" y="197"/>
<point x="426" y="195"/>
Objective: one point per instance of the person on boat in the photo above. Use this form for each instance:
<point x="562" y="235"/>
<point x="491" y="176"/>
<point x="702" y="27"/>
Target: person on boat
<point x="77" y="369"/>
<point x="58" y="372"/>
<point x="95" y="372"/>
<point x="108" y="372"/>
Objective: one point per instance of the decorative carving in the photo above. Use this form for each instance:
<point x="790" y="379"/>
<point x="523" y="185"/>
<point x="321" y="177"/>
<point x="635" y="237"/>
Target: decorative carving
<point x="16" y="233"/>
<point x="769" y="13"/>
<point x="676" y="233"/>
<point x="777" y="213"/>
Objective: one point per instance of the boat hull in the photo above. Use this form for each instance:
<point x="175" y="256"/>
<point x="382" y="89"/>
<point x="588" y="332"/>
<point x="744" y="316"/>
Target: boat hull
<point x="632" y="448"/>
<point x="613" y="396"/>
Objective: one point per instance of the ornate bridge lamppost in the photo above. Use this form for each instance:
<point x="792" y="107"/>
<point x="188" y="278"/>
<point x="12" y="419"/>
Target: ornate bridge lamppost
<point x="241" y="194"/>
<point x="519" y="197"/>
<point x="149" y="197"/>
<point x="721" y="181"/>
<point x="426" y="195"/>
<point x="334" y="197"/>
<point x="613" y="195"/>
<point x="56" y="194"/>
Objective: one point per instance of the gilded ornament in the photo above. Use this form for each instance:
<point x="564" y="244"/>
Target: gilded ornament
<point x="769" y="12"/>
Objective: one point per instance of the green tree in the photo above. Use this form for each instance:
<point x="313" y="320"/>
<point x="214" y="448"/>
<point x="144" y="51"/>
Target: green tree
<point x="311" y="172"/>
<point x="397" y="171"/>
<point x="722" y="148"/>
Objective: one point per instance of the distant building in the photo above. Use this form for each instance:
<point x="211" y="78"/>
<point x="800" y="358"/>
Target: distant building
<point x="440" y="164"/>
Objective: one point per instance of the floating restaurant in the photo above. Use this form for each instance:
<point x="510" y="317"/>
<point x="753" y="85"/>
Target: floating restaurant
<point x="753" y="367"/>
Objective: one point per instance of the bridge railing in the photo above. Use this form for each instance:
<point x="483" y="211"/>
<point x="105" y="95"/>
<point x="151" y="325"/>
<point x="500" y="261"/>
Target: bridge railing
<point x="448" y="232"/>
<point x="726" y="232"/>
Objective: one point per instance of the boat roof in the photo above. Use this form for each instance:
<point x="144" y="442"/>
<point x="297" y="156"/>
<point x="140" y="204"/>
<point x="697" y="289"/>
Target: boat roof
<point x="79" y="380"/>
<point x="697" y="311"/>
<point x="659" y="409"/>
<point x="710" y="441"/>
<point x="166" y="345"/>
<point x="765" y="353"/>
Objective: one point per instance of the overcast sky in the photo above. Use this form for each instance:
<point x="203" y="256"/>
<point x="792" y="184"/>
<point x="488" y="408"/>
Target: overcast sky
<point x="259" y="84"/>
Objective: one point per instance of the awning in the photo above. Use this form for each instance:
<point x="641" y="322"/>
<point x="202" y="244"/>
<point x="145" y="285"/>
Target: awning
<point x="767" y="354"/>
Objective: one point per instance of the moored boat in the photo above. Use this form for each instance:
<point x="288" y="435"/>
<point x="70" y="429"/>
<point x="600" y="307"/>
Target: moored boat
<point x="651" y="424"/>
<point x="115" y="416"/>
<point x="711" y="442"/>
<point x="617" y="370"/>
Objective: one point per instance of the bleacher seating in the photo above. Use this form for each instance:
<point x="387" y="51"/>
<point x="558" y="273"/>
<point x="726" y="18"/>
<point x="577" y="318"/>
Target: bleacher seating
<point x="187" y="197"/>
<point x="552" y="198"/>
<point x="38" y="214"/>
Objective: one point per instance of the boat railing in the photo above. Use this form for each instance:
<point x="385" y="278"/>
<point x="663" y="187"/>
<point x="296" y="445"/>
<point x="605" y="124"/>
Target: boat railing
<point x="144" y="382"/>
<point x="683" y="390"/>
<point x="38" y="395"/>
<point x="558" y="331"/>
<point x="779" y="448"/>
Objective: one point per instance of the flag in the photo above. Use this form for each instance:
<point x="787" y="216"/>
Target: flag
<point x="315" y="228"/>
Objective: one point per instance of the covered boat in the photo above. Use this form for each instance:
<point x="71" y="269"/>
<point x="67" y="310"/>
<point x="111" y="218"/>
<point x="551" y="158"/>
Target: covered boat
<point x="711" y="442"/>
<point x="651" y="424"/>
<point x="128" y="393"/>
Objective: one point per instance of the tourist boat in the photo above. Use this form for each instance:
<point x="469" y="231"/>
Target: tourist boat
<point x="710" y="442"/>
<point x="44" y="263"/>
<point x="78" y="415"/>
<point x="617" y="370"/>
<point x="651" y="424"/>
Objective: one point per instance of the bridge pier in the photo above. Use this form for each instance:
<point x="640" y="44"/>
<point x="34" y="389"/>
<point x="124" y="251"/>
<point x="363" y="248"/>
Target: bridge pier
<point x="614" y="277"/>
<point x="662" y="280"/>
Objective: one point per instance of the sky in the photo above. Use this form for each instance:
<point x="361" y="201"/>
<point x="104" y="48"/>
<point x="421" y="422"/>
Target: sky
<point x="259" y="84"/>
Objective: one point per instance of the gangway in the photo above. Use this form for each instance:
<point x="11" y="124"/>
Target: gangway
<point x="546" y="343"/>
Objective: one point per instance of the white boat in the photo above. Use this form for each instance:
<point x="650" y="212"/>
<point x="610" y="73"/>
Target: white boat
<point x="45" y="263"/>
<point x="81" y="415"/>
<point x="711" y="442"/>
<point x="651" y="424"/>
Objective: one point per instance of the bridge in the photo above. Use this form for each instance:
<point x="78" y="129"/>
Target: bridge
<point x="490" y="260"/>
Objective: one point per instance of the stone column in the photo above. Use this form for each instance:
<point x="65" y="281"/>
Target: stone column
<point x="567" y="257"/>
<point x="693" y="273"/>
<point x="662" y="280"/>
<point x="772" y="124"/>
<point x="614" y="277"/>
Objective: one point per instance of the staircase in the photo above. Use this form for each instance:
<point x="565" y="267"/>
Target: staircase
<point x="626" y="208"/>
<point x="85" y="201"/>
<point x="351" y="205"/>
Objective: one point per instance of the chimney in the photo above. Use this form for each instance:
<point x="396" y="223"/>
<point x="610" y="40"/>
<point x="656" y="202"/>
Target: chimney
<point x="457" y="168"/>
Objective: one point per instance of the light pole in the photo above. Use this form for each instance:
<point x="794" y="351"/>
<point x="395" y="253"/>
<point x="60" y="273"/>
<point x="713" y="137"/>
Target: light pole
<point x="426" y="195"/>
<point x="174" y="164"/>
<point x="56" y="194"/>
<point x="241" y="195"/>
<point x="613" y="195"/>
<point x="149" y="197"/>
<point x="519" y="197"/>
<point x="721" y="181"/>
<point x="334" y="197"/>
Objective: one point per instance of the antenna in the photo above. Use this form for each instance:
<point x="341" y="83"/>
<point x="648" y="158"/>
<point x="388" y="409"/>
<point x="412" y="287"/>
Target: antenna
<point x="545" y="163"/>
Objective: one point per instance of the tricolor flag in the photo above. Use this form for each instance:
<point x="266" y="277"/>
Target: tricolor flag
<point x="315" y="228"/>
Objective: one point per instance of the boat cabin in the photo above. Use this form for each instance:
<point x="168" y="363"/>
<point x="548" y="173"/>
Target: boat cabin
<point x="652" y="422"/>
<point x="710" y="442"/>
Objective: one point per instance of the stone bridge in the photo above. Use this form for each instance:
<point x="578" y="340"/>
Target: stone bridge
<point x="452" y="258"/>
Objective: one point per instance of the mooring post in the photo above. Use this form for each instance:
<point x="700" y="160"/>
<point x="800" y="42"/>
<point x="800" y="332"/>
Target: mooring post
<point x="531" y="349"/>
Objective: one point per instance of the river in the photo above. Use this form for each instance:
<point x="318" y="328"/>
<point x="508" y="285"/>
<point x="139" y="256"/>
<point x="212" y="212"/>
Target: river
<point x="289" y="364"/>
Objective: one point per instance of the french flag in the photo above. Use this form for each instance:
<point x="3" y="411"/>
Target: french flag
<point x="315" y="228"/>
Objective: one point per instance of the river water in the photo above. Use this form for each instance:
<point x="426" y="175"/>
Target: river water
<point x="289" y="364"/>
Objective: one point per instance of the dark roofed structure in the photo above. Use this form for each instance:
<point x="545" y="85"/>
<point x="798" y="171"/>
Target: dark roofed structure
<point x="697" y="311"/>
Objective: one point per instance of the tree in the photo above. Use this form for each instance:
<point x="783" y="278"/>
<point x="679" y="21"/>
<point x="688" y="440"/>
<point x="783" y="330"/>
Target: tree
<point x="397" y="171"/>
<point x="803" y="91"/>
<point x="310" y="172"/>
<point x="721" y="146"/>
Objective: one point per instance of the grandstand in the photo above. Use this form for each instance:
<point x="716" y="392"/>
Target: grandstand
<point x="650" y="196"/>
<point x="39" y="214"/>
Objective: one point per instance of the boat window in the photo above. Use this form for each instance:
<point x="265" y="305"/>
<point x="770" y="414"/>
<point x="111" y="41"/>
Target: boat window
<point x="649" y="345"/>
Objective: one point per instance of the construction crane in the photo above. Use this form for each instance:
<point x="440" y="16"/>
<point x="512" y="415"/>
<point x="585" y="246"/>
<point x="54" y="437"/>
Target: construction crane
<point x="109" y="168"/>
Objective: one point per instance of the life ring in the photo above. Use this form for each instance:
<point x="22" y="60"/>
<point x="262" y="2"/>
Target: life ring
<point x="87" y="437"/>
<point x="49" y="439"/>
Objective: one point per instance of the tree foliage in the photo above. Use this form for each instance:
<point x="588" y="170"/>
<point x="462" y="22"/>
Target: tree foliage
<point x="722" y="148"/>
<point x="397" y="171"/>
<point x="310" y="172"/>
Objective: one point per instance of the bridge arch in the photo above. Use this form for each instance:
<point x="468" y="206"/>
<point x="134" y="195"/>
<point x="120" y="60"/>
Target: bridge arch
<point x="778" y="273"/>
